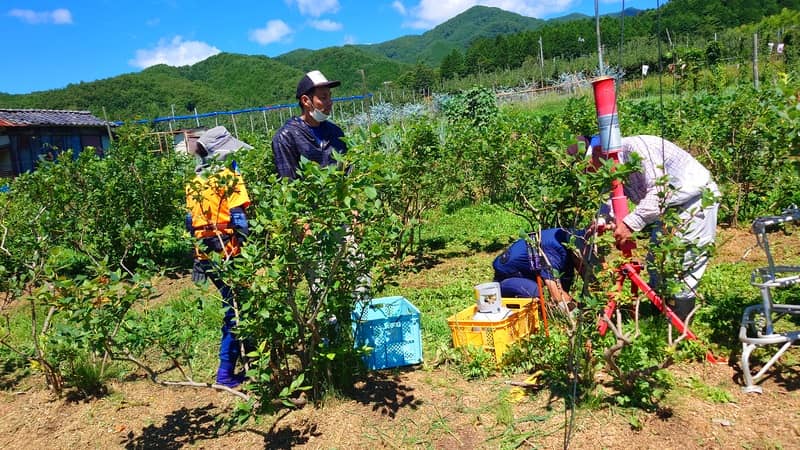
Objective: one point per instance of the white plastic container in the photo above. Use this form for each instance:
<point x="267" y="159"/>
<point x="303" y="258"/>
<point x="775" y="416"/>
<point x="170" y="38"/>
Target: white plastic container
<point x="487" y="295"/>
<point x="490" y="303"/>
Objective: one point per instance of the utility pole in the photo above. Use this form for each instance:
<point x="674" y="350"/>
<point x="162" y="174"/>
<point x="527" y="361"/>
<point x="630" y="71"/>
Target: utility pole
<point x="755" y="60"/>
<point x="108" y="127"/>
<point x="364" y="92"/>
<point x="599" y="43"/>
<point x="541" y="60"/>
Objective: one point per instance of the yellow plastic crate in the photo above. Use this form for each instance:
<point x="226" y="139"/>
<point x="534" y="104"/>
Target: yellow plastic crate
<point x="495" y="337"/>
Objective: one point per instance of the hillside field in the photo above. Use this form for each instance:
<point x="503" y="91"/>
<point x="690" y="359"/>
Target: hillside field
<point x="429" y="406"/>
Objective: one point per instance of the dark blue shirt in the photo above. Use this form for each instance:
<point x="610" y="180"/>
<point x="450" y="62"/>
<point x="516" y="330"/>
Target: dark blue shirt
<point x="296" y="139"/>
<point x="517" y="260"/>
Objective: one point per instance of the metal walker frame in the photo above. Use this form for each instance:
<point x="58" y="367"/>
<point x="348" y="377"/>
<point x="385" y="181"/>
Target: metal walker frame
<point x="757" y="325"/>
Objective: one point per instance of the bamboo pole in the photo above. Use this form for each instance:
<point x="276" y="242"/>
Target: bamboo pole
<point x="108" y="127"/>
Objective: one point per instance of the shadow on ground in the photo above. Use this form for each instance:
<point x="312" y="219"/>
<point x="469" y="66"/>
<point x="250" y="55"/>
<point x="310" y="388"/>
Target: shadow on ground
<point x="386" y="393"/>
<point x="784" y="375"/>
<point x="182" y="427"/>
<point x="289" y="436"/>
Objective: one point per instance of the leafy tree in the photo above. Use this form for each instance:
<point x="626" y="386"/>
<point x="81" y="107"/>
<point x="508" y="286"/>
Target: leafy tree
<point x="419" y="79"/>
<point x="452" y="65"/>
<point x="713" y="53"/>
<point x="80" y="237"/>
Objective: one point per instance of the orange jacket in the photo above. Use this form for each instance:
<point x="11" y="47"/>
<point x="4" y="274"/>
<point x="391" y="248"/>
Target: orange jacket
<point x="209" y="199"/>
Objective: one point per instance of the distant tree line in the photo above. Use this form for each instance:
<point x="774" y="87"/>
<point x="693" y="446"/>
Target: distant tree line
<point x="707" y="31"/>
<point x="636" y="37"/>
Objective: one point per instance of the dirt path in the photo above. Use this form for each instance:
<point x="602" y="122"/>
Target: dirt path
<point x="426" y="408"/>
<point x="415" y="409"/>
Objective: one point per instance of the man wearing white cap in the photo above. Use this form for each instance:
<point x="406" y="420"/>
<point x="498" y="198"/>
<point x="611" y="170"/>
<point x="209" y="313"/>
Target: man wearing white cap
<point x="311" y="134"/>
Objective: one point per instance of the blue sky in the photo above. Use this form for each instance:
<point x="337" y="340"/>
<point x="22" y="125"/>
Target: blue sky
<point x="50" y="44"/>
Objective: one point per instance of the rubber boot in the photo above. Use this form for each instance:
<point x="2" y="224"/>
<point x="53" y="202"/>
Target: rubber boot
<point x="682" y="307"/>
<point x="228" y="355"/>
<point x="226" y="375"/>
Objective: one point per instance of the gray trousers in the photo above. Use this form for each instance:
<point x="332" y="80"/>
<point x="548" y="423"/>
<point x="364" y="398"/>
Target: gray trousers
<point x="700" y="229"/>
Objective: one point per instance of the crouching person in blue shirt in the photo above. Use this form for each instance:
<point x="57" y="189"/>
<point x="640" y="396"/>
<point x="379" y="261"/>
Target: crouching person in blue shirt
<point x="546" y="255"/>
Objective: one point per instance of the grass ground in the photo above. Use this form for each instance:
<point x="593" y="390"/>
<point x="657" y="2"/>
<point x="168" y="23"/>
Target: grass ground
<point x="432" y="405"/>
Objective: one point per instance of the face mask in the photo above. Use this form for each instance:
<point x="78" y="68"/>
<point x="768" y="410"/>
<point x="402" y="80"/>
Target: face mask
<point x="319" y="116"/>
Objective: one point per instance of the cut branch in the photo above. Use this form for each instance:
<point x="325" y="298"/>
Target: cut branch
<point x="151" y="374"/>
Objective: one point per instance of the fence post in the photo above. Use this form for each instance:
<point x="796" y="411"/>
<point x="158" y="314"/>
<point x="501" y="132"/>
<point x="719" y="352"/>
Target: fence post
<point x="108" y="127"/>
<point x="755" y="60"/>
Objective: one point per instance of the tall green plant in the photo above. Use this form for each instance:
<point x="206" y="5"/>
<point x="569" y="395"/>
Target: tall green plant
<point x="69" y="229"/>
<point x="318" y="244"/>
<point x="417" y="179"/>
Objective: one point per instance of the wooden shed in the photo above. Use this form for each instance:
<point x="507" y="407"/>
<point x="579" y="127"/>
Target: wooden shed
<point x="29" y="135"/>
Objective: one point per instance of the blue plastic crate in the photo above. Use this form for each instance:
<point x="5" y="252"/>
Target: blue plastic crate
<point x="389" y="325"/>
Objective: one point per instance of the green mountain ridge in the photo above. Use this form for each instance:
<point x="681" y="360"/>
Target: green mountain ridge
<point x="457" y="33"/>
<point x="479" y="40"/>
<point x="345" y="64"/>
<point x="229" y="81"/>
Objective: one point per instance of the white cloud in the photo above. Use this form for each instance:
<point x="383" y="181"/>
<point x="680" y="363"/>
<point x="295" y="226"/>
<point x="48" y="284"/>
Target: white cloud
<point x="349" y="39"/>
<point x="315" y="8"/>
<point x="398" y="6"/>
<point x="153" y="22"/>
<point x="429" y="13"/>
<point x="274" y="31"/>
<point x="59" y="16"/>
<point x="174" y="52"/>
<point x="325" y="25"/>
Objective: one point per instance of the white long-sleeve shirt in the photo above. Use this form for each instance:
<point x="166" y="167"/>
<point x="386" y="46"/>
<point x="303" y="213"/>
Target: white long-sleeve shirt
<point x="659" y="157"/>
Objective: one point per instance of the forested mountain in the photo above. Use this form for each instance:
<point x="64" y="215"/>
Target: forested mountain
<point x="457" y="33"/>
<point x="480" y="40"/>
<point x="223" y="81"/>
<point x="231" y="81"/>
<point x="678" y="21"/>
<point x="345" y="64"/>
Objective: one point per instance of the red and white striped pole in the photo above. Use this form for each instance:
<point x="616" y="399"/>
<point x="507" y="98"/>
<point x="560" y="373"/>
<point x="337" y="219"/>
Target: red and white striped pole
<point x="605" y="99"/>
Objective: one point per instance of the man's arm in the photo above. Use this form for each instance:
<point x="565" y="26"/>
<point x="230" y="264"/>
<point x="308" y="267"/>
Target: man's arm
<point x="239" y="222"/>
<point x="559" y="296"/>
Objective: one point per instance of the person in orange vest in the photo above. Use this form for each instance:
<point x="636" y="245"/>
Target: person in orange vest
<point x="216" y="200"/>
